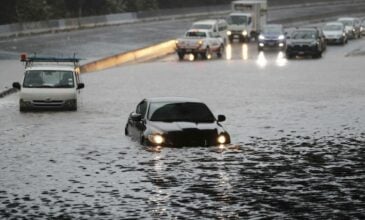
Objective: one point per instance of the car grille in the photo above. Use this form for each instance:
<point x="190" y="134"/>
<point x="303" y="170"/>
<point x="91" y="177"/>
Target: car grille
<point x="192" y="137"/>
<point x="47" y="103"/>
<point x="302" y="48"/>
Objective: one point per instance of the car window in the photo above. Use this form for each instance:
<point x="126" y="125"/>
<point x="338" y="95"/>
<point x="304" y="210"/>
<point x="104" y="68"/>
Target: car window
<point x="187" y="112"/>
<point x="304" y="35"/>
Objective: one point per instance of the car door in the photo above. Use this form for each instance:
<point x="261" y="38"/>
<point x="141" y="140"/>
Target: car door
<point x="136" y="126"/>
<point x="140" y="126"/>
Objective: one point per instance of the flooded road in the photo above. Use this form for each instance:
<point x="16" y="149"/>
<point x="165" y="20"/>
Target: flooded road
<point x="297" y="126"/>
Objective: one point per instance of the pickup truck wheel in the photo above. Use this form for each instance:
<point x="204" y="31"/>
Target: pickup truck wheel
<point x="205" y="55"/>
<point x="220" y="51"/>
<point x="181" y="55"/>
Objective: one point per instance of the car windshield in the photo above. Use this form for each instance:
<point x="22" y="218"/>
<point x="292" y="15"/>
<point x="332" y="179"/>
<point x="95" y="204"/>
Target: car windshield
<point x="186" y="112"/>
<point x="332" y="27"/>
<point x="202" y="26"/>
<point x="196" y="34"/>
<point x="272" y="31"/>
<point x="48" y="79"/>
<point x="303" y="35"/>
<point x="238" y="20"/>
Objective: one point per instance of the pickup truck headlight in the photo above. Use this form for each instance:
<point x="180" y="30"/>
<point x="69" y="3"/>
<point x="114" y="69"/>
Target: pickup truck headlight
<point x="244" y="33"/>
<point x="222" y="139"/>
<point x="281" y="37"/>
<point x="156" y="139"/>
<point x="229" y="33"/>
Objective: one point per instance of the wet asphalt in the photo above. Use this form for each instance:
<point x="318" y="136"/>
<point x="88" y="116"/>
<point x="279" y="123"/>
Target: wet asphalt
<point x="297" y="128"/>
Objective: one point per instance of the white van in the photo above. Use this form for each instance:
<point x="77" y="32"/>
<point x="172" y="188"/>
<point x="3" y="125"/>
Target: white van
<point x="49" y="83"/>
<point x="217" y="26"/>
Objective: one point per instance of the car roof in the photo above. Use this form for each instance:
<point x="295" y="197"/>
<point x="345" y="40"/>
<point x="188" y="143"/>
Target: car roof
<point x="239" y="14"/>
<point x="51" y="67"/>
<point x="334" y="23"/>
<point x="172" y="99"/>
<point x="199" y="30"/>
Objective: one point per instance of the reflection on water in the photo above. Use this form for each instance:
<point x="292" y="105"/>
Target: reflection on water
<point x="191" y="57"/>
<point x="229" y="52"/>
<point x="281" y="59"/>
<point x="244" y="52"/>
<point x="261" y="60"/>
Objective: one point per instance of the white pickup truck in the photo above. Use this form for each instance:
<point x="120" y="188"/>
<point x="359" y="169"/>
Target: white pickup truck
<point x="199" y="43"/>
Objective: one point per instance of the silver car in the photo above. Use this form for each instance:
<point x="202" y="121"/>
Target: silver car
<point x="335" y="33"/>
<point x="352" y="26"/>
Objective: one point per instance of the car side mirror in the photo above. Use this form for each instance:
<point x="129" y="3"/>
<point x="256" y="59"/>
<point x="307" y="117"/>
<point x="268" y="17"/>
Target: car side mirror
<point x="136" y="117"/>
<point x="221" y="118"/>
<point x="16" y="85"/>
<point x="80" y="86"/>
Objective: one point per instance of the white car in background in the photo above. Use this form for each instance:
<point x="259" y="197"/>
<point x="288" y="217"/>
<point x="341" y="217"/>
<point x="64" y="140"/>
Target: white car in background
<point x="49" y="84"/>
<point x="199" y="42"/>
<point x="352" y="26"/>
<point x="217" y="26"/>
<point x="334" y="32"/>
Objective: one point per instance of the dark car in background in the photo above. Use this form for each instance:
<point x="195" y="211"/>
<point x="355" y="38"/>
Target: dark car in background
<point x="175" y="122"/>
<point x="272" y="36"/>
<point x="305" y="42"/>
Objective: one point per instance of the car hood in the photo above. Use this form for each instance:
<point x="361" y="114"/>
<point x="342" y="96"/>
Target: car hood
<point x="326" y="33"/>
<point x="349" y="28"/>
<point x="301" y="41"/>
<point x="165" y="127"/>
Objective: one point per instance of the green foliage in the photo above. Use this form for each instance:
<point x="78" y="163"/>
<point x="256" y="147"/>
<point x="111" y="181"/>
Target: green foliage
<point x="37" y="10"/>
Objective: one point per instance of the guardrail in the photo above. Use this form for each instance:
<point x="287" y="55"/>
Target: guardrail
<point x="51" y="26"/>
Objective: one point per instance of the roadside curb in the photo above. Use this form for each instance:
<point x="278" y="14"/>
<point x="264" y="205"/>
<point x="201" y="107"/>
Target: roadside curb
<point x="7" y="92"/>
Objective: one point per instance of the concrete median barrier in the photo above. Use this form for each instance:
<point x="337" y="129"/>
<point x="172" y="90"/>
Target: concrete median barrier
<point x="139" y="55"/>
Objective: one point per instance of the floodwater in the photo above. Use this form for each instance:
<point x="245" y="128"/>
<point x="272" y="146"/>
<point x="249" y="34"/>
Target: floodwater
<point x="297" y="128"/>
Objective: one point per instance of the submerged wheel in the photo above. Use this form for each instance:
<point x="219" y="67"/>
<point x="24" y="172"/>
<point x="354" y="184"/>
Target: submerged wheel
<point x="181" y="55"/>
<point x="205" y="55"/>
<point x="220" y="52"/>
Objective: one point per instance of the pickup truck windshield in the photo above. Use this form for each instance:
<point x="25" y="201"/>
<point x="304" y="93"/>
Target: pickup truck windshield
<point x="48" y="79"/>
<point x="332" y="28"/>
<point x="303" y="35"/>
<point x="196" y="34"/>
<point x="186" y="112"/>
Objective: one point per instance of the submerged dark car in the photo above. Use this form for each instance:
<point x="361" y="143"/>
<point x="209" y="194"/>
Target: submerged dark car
<point x="305" y="41"/>
<point x="175" y="122"/>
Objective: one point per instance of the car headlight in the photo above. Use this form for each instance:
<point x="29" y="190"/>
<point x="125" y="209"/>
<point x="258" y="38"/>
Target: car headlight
<point x="281" y="37"/>
<point x="261" y="37"/>
<point x="222" y="139"/>
<point x="200" y="42"/>
<point x="156" y="138"/>
<point x="229" y="32"/>
<point x="244" y="33"/>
